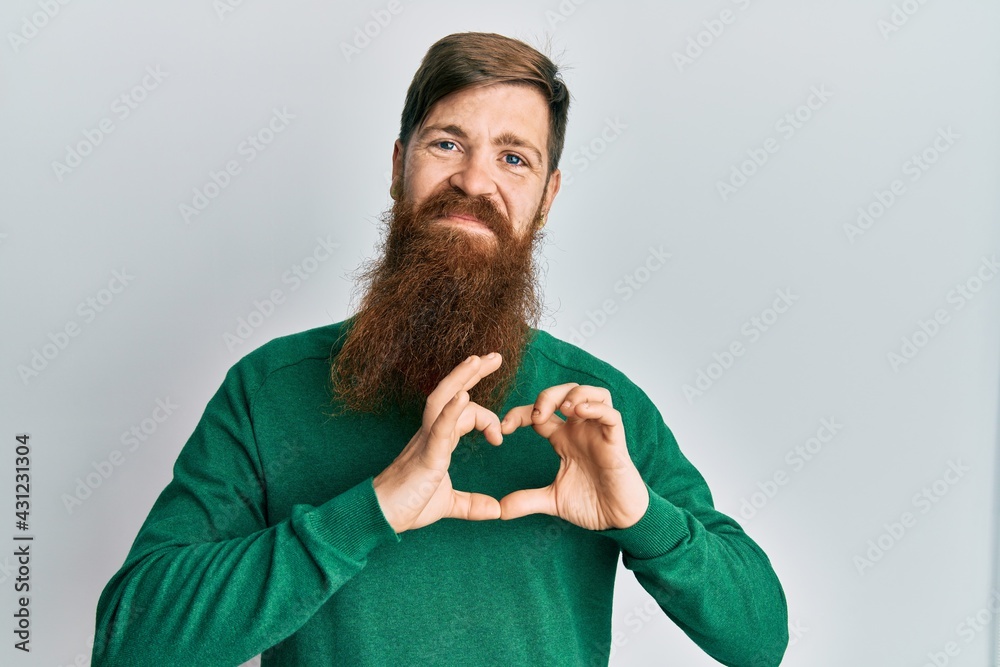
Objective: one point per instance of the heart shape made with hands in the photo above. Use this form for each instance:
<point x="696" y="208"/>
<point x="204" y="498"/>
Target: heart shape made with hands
<point x="597" y="485"/>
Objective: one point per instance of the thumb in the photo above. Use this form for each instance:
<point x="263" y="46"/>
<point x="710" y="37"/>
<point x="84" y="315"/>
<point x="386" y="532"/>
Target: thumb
<point x="473" y="506"/>
<point x="528" y="501"/>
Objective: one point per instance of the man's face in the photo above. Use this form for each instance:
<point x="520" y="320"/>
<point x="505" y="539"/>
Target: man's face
<point x="456" y="276"/>
<point x="488" y="142"/>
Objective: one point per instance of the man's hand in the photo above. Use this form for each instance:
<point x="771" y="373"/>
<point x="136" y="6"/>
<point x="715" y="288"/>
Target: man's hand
<point x="415" y="490"/>
<point x="597" y="486"/>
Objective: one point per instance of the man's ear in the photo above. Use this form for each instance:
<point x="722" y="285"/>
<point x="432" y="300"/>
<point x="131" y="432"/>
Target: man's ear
<point x="398" y="158"/>
<point x="551" y="190"/>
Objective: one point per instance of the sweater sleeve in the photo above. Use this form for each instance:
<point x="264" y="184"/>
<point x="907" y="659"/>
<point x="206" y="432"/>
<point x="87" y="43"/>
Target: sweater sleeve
<point x="706" y="574"/>
<point x="207" y="580"/>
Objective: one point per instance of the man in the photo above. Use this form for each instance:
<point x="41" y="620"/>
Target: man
<point x="336" y="504"/>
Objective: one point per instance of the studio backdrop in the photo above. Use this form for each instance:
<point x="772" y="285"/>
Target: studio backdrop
<point x="779" y="219"/>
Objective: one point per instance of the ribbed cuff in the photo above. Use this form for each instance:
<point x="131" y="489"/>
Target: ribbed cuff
<point x="660" y="529"/>
<point x="353" y="522"/>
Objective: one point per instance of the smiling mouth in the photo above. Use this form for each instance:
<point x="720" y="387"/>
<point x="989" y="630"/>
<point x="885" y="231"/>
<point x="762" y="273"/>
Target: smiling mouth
<point x="467" y="221"/>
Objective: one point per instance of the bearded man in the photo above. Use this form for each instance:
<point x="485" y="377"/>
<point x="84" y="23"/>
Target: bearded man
<point x="335" y="504"/>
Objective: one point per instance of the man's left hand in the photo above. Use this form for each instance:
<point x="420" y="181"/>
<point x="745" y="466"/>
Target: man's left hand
<point x="597" y="486"/>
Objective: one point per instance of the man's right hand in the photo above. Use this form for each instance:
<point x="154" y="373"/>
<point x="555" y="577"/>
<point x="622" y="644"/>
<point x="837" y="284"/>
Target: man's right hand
<point x="415" y="490"/>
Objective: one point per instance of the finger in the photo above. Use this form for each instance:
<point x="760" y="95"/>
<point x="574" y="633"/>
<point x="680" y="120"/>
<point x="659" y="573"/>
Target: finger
<point x="610" y="421"/>
<point x="549" y="398"/>
<point x="490" y="362"/>
<point x="473" y="506"/>
<point x="585" y="393"/>
<point x="606" y="415"/>
<point x="522" y="416"/>
<point x="442" y="438"/>
<point x="477" y="417"/>
<point x="462" y="377"/>
<point x="515" y="419"/>
<point x="528" y="501"/>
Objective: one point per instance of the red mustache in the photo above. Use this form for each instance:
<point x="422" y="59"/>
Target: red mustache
<point x="451" y="202"/>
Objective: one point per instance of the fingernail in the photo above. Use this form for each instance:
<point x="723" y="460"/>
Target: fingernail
<point x="565" y="404"/>
<point x="536" y="411"/>
<point x="491" y="355"/>
<point x="468" y="361"/>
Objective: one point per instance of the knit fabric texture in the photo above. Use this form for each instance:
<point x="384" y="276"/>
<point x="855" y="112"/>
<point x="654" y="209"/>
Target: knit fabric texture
<point x="270" y="539"/>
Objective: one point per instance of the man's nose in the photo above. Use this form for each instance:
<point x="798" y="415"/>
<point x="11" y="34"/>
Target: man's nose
<point x="474" y="177"/>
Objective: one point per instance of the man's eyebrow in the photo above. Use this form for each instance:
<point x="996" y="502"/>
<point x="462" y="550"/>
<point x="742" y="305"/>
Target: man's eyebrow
<point x="511" y="139"/>
<point x="449" y="129"/>
<point x="502" y="139"/>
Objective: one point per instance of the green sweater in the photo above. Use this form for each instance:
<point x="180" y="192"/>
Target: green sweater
<point x="269" y="539"/>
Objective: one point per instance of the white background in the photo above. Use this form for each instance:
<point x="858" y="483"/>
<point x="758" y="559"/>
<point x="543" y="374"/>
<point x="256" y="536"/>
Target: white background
<point x="653" y="182"/>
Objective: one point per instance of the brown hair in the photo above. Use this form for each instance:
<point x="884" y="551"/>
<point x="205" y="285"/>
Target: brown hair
<point x="467" y="59"/>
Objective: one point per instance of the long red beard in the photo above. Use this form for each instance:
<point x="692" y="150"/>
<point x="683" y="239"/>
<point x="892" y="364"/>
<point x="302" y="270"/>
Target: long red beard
<point x="438" y="294"/>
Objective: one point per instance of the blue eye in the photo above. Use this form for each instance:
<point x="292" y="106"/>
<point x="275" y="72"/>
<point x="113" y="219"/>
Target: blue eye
<point x="441" y="143"/>
<point x="519" y="162"/>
